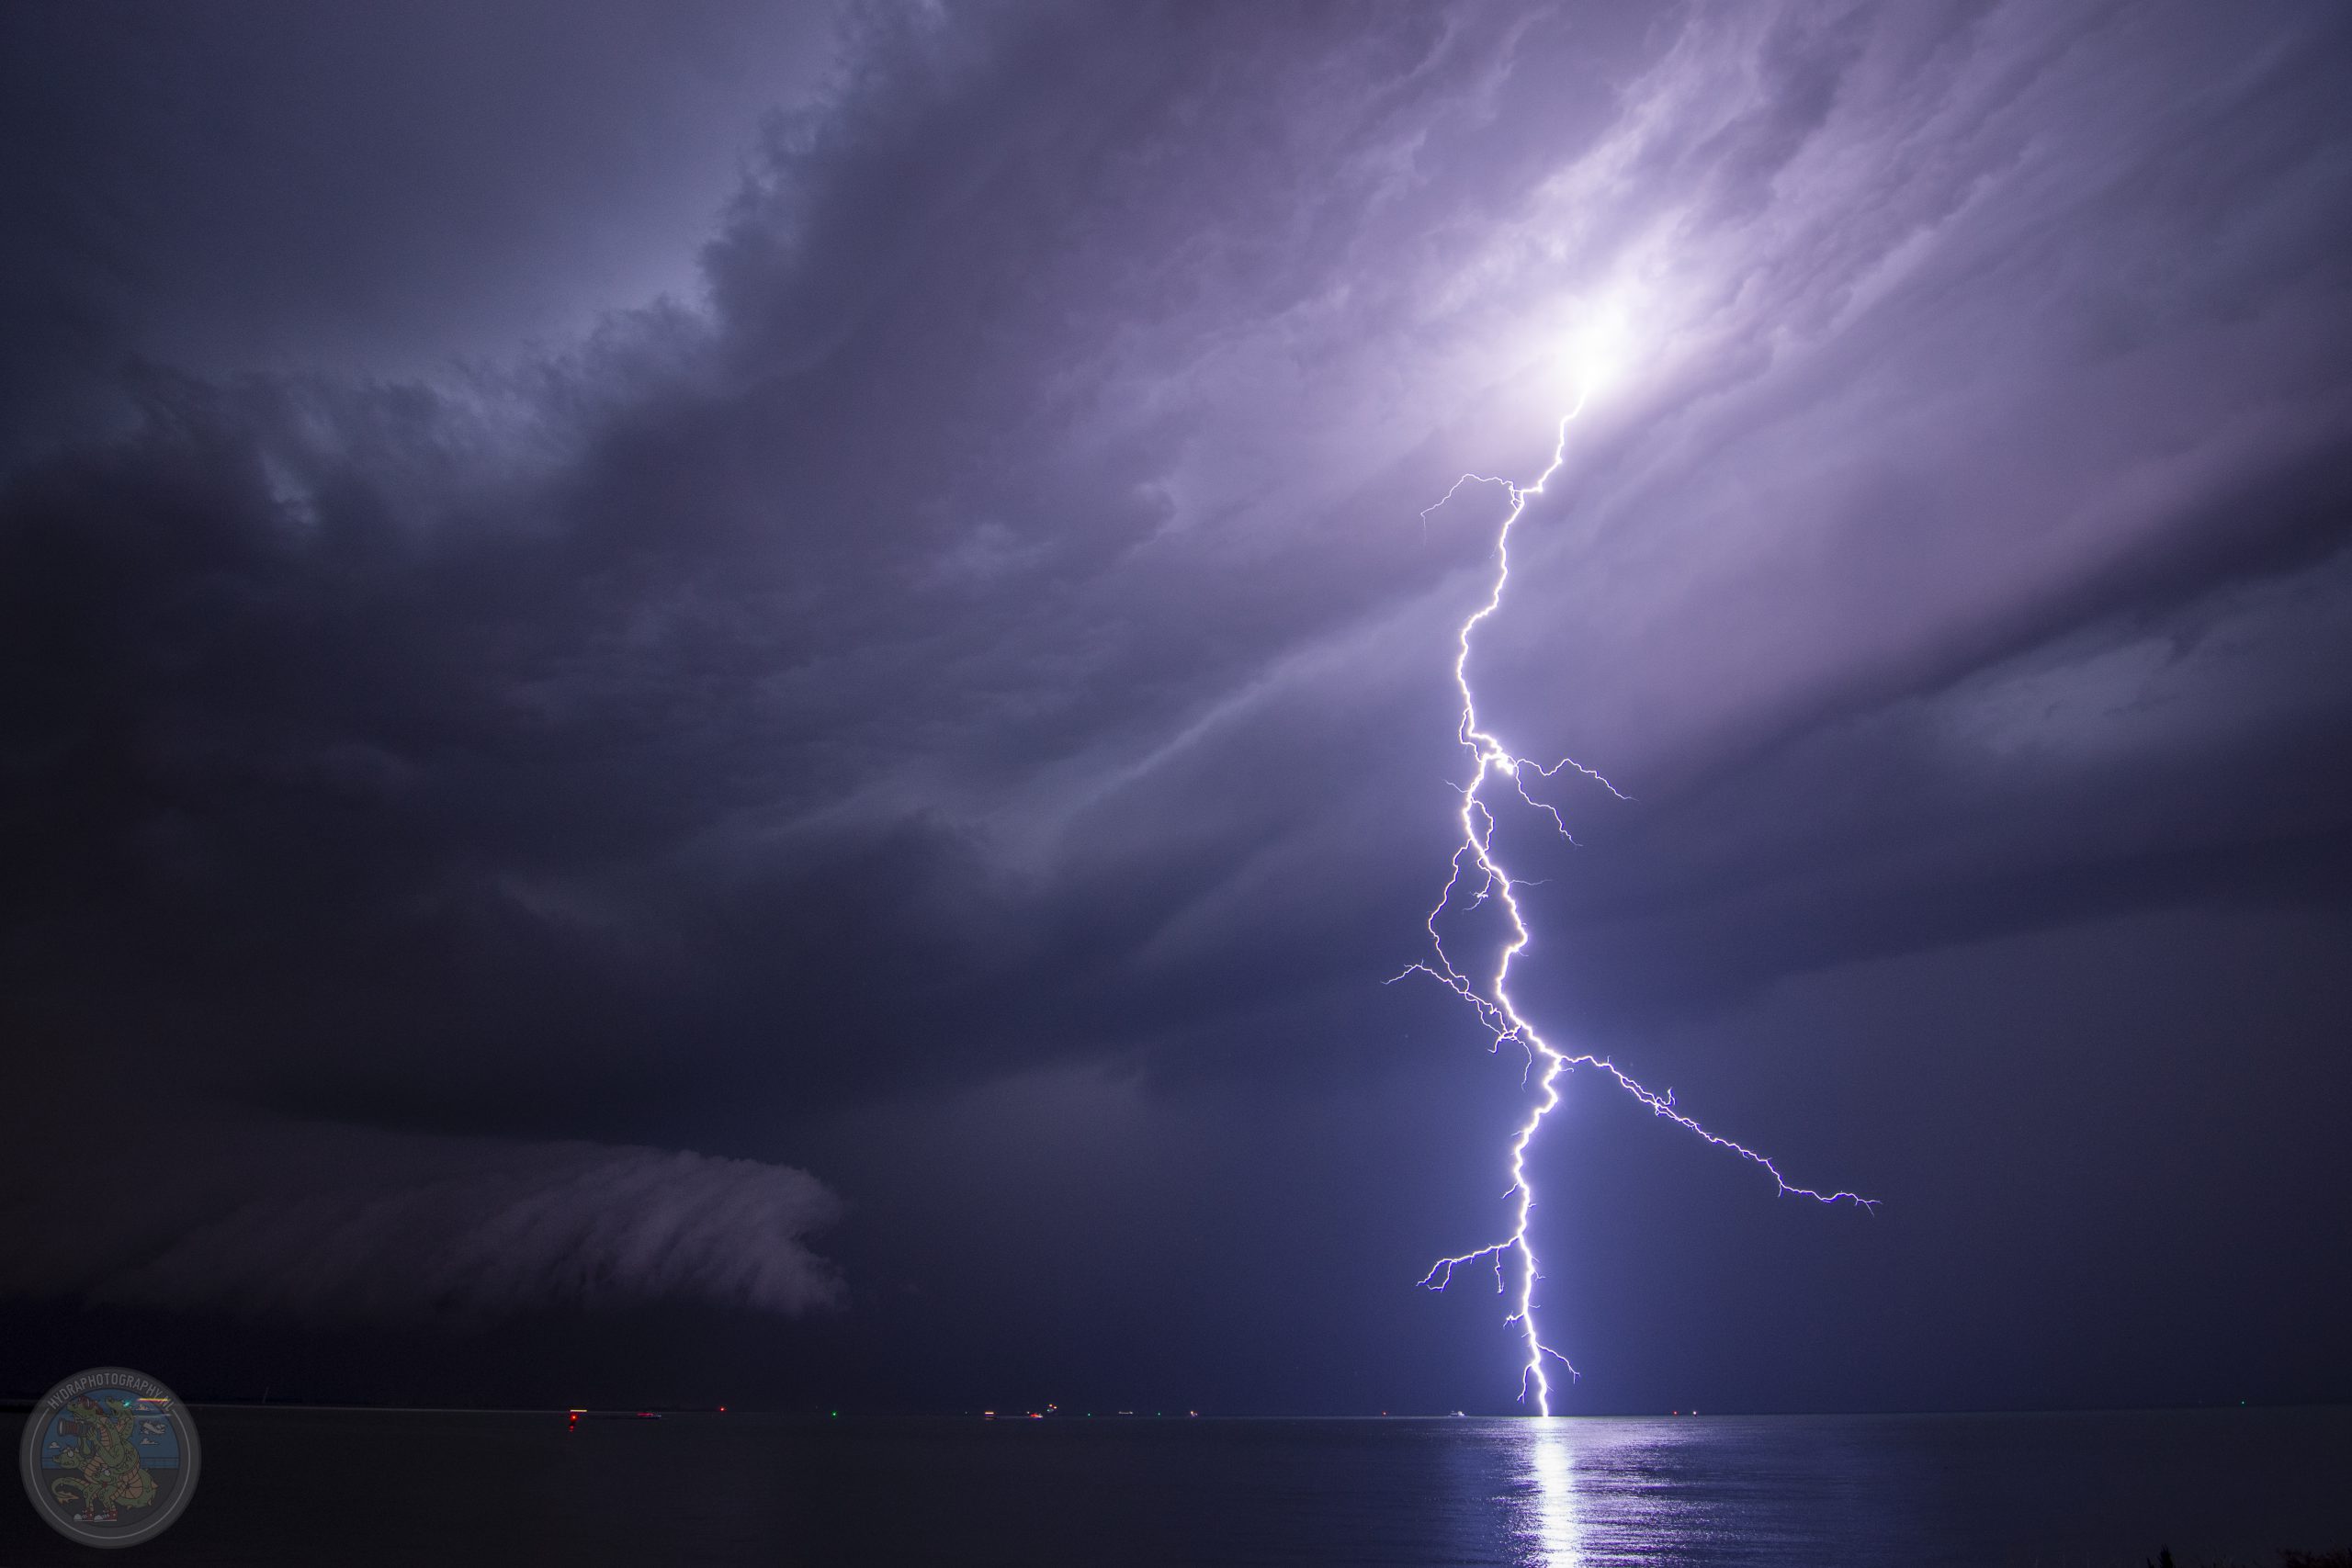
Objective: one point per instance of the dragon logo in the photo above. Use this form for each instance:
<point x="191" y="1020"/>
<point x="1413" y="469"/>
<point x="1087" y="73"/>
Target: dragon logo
<point x="110" y="1457"/>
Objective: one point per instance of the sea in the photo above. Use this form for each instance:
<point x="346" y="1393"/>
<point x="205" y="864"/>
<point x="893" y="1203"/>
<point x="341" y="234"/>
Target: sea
<point x="2071" y="1490"/>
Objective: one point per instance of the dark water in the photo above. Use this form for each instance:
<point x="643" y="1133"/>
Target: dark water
<point x="298" y="1486"/>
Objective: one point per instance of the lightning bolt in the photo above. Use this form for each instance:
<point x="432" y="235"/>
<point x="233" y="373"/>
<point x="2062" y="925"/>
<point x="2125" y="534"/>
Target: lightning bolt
<point x="1479" y="877"/>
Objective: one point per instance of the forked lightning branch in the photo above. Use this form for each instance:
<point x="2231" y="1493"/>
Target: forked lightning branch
<point x="1479" y="878"/>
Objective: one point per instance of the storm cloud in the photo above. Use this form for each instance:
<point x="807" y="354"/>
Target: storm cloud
<point x="973" y="622"/>
<point x="338" y="1225"/>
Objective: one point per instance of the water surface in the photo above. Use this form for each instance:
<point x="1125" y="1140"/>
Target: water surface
<point x="2055" y="1491"/>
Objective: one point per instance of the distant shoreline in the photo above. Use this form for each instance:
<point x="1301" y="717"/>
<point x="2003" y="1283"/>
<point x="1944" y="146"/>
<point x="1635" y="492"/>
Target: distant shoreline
<point x="24" y="1404"/>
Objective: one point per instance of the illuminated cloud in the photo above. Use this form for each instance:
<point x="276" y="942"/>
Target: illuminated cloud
<point x="316" y="1226"/>
<point x="980" y="624"/>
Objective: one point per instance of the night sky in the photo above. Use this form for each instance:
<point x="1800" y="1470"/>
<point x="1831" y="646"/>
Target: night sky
<point x="707" y="705"/>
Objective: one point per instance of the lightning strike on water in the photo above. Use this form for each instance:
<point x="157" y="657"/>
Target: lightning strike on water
<point x="1475" y="863"/>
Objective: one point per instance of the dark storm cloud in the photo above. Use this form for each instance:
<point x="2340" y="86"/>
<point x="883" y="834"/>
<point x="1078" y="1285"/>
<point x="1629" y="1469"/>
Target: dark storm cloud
<point x="287" y="187"/>
<point x="346" y="1225"/>
<point x="992" y="626"/>
<point x="700" y="724"/>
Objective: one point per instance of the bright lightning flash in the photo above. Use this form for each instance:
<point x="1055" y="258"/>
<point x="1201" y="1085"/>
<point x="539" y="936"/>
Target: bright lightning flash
<point x="1480" y="876"/>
